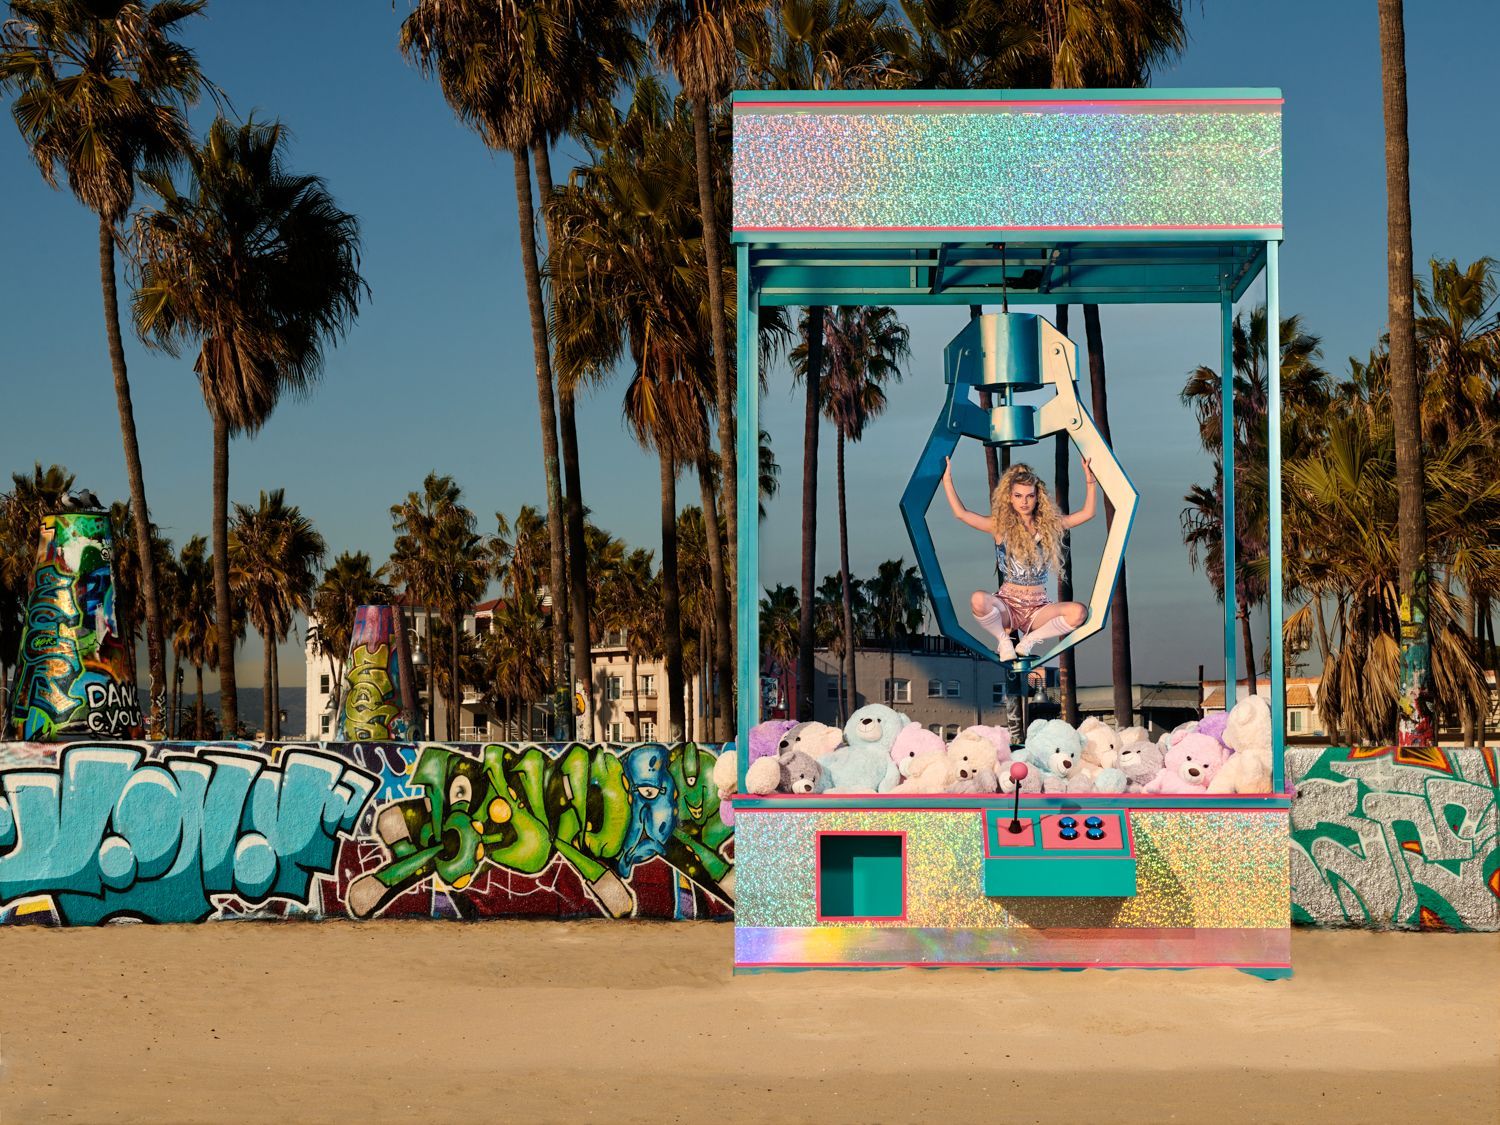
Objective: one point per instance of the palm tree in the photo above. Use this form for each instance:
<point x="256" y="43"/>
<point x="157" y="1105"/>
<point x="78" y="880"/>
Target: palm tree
<point x="697" y="40"/>
<point x="21" y="511"/>
<point x="413" y="559"/>
<point x="274" y="555"/>
<point x="1415" y="727"/>
<point x="1305" y="399"/>
<point x="864" y="347"/>
<point x="779" y="616"/>
<point x="1343" y="521"/>
<point x="195" y="638"/>
<point x="519" y="74"/>
<point x="514" y="656"/>
<point x="816" y="45"/>
<point x="348" y="584"/>
<point x="461" y="572"/>
<point x="100" y="92"/>
<point x="1458" y="346"/>
<point x="260" y="268"/>
<point x="896" y="601"/>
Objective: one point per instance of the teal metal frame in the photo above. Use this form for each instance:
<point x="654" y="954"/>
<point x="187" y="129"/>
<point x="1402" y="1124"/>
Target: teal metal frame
<point x="936" y="266"/>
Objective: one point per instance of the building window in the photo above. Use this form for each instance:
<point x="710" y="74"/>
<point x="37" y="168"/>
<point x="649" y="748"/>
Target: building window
<point x="934" y="689"/>
<point x="954" y="689"/>
<point x="1294" y="722"/>
<point x="648" y="730"/>
<point x="648" y="685"/>
<point x="898" y="691"/>
<point x="833" y="688"/>
<point x="997" y="694"/>
<point x="614" y="638"/>
<point x="323" y="684"/>
<point x="612" y="687"/>
<point x="937" y="729"/>
<point x="616" y="732"/>
<point x="325" y="724"/>
<point x="950" y="732"/>
<point x="862" y="875"/>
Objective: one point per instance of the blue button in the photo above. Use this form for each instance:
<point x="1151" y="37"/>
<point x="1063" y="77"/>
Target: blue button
<point x="1095" y="833"/>
<point x="1093" y="822"/>
<point x="1069" y="833"/>
<point x="1067" y="822"/>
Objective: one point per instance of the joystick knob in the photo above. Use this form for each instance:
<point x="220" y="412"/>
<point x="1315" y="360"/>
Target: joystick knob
<point x="1018" y="771"/>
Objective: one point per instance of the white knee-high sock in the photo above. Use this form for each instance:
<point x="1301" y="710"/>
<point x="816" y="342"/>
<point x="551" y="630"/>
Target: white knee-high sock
<point x="997" y="622"/>
<point x="1056" y="627"/>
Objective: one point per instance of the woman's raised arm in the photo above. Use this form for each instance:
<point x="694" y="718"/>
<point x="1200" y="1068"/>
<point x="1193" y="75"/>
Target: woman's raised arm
<point x="1085" y="513"/>
<point x="973" y="519"/>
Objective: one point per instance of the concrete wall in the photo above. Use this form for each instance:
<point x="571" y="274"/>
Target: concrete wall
<point x="185" y="832"/>
<point x="1394" y="839"/>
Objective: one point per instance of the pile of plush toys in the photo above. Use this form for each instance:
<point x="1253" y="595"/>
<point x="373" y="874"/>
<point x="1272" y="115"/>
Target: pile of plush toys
<point x="882" y="751"/>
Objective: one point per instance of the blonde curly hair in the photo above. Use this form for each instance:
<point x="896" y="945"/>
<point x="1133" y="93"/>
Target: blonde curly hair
<point x="1009" y="530"/>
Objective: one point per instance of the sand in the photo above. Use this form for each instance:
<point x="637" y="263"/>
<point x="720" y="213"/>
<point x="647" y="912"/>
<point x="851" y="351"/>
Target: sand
<point x="607" y="1021"/>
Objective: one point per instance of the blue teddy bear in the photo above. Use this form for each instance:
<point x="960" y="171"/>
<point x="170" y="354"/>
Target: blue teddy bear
<point x="865" y="764"/>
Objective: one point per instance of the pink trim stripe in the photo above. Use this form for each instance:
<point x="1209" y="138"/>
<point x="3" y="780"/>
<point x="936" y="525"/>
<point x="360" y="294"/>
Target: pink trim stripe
<point x="751" y="107"/>
<point x="1060" y="226"/>
<point x="1013" y="964"/>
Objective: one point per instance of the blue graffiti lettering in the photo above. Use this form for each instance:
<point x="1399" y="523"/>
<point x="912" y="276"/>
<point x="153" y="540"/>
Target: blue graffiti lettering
<point x="109" y="835"/>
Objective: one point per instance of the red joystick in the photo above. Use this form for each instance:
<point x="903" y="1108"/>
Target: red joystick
<point x="1018" y="772"/>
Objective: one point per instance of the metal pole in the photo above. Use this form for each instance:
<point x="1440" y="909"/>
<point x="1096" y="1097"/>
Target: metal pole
<point x="1226" y="457"/>
<point x="747" y="556"/>
<point x="1273" y="452"/>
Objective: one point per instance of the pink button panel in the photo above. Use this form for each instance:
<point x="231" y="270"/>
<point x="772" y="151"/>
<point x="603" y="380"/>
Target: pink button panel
<point x="1114" y="833"/>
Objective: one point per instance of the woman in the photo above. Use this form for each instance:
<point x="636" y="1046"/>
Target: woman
<point x="1028" y="531"/>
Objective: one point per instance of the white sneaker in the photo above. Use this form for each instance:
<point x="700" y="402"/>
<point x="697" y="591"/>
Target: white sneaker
<point x="1006" y="649"/>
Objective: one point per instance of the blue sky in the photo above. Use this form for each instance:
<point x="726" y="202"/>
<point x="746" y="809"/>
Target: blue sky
<point x="437" y="372"/>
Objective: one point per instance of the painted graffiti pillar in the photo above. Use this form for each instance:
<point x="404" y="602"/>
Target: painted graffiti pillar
<point x="379" y="702"/>
<point x="73" y="679"/>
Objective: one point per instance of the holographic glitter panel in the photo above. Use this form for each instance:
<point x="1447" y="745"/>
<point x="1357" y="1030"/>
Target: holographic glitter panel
<point x="1196" y="871"/>
<point x="1008" y="166"/>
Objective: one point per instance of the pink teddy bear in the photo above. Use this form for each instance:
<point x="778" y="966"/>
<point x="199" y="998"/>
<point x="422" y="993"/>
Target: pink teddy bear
<point x="1190" y="765"/>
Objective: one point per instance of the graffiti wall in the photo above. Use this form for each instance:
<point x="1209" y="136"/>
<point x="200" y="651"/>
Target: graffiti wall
<point x="1395" y="838"/>
<point x="94" y="832"/>
<point x="378" y="704"/>
<point x="73" y="677"/>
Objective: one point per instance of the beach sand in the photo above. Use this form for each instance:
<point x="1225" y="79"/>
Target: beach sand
<point x="615" y="1022"/>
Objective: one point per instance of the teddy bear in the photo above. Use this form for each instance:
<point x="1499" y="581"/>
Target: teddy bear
<point x="1133" y="734"/>
<point x="726" y="780"/>
<point x="1213" y="725"/>
<point x="1189" y="765"/>
<point x="1140" y="762"/>
<point x="1101" y="747"/>
<point x="1248" y="734"/>
<point x="972" y="762"/>
<point x="1056" y="750"/>
<point x="864" y="764"/>
<point x="914" y="741"/>
<point x="800" y="773"/>
<point x="762" y="774"/>
<point x="816" y="740"/>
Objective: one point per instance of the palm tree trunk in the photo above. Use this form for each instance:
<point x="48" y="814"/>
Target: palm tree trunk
<point x="670" y="603"/>
<point x="173" y="727"/>
<point x="578" y="575"/>
<point x="229" y="712"/>
<point x="728" y="478"/>
<point x="275" y="690"/>
<point x="431" y="669"/>
<point x="265" y="693"/>
<point x="635" y="695"/>
<point x="155" y="654"/>
<point x="1250" y="678"/>
<point x="455" y="689"/>
<point x="1067" y="666"/>
<point x="1119" y="604"/>
<point x="722" y="654"/>
<point x="850" y="645"/>
<point x="562" y="713"/>
<point x="198" y="707"/>
<point x="812" y="412"/>
<point x="1415" y="667"/>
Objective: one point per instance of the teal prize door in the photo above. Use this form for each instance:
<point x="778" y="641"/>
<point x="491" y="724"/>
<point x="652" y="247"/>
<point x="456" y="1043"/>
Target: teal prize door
<point x="862" y="876"/>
